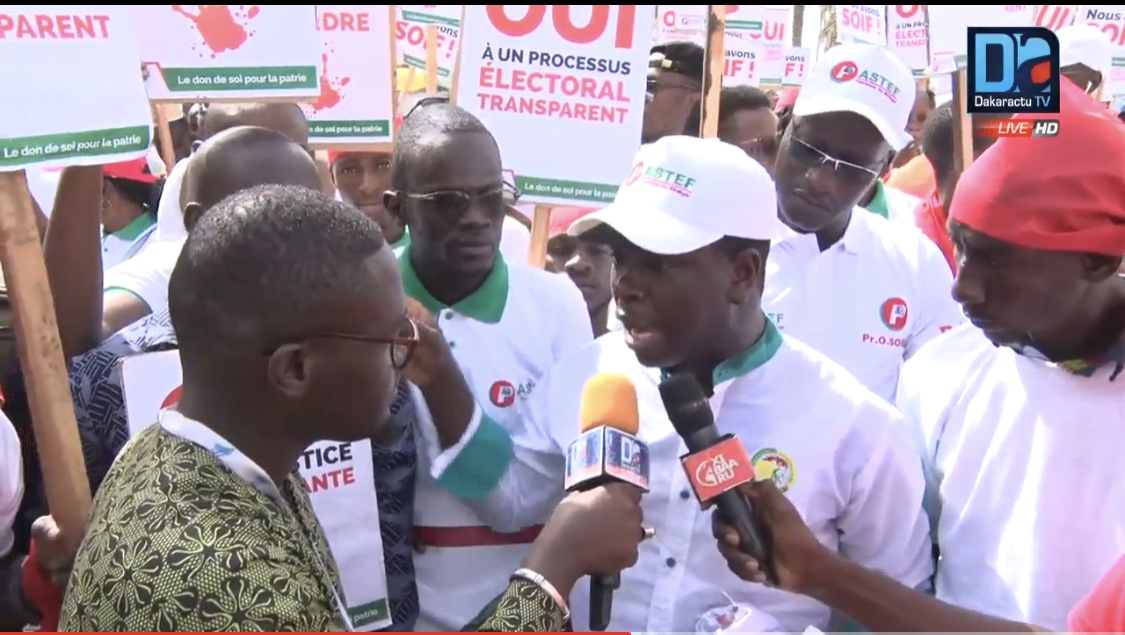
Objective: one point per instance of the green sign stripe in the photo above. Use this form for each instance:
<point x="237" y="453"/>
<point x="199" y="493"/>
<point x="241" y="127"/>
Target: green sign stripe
<point x="531" y="186"/>
<point x="350" y="128"/>
<point x="369" y="613"/>
<point x="240" y="78"/>
<point x="425" y="18"/>
<point x="418" y="62"/>
<point x="90" y="143"/>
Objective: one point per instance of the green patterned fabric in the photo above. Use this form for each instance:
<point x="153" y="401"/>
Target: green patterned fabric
<point x="178" y="542"/>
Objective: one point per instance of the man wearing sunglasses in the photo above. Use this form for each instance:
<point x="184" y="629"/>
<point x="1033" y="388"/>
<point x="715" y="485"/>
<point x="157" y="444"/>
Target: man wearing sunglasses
<point x="865" y="291"/>
<point x="675" y="85"/>
<point x="506" y="323"/>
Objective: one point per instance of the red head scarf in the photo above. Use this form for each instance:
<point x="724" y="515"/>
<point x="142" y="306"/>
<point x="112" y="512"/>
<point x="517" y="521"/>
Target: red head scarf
<point x="1063" y="193"/>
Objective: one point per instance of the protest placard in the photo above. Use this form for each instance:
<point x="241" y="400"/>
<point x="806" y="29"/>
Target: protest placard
<point x="907" y="36"/>
<point x="554" y="77"/>
<point x="356" y="102"/>
<point x="774" y="39"/>
<point x="743" y="47"/>
<point x="230" y="52"/>
<point x="98" y="114"/>
<point x="948" y="25"/>
<point x="410" y="36"/>
<point x="1054" y="16"/>
<point x="1110" y="18"/>
<point x="862" y="24"/>
<point x="796" y="64"/>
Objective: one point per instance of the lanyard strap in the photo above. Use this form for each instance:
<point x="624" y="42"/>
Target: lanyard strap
<point x="190" y="430"/>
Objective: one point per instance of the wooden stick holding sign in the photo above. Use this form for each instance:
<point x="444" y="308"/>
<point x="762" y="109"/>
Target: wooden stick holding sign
<point x="714" y="58"/>
<point x="431" y="58"/>
<point x="41" y="357"/>
<point x="164" y="134"/>
<point x="962" y="124"/>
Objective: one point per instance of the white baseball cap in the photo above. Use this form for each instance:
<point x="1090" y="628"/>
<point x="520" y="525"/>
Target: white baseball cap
<point x="864" y="79"/>
<point x="685" y="193"/>
<point x="1086" y="44"/>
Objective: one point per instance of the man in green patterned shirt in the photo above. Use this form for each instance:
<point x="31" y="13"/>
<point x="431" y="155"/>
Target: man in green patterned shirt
<point x="292" y="327"/>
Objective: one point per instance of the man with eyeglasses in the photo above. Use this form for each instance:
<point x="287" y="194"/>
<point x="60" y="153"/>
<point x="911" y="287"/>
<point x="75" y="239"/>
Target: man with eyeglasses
<point x="506" y="324"/>
<point x="865" y="291"/>
<point x="675" y="85"/>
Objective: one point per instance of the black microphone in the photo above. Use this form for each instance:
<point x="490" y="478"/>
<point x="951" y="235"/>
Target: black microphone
<point x="606" y="451"/>
<point x="715" y="465"/>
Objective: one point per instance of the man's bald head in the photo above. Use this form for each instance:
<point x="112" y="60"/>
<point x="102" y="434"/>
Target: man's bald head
<point x="241" y="158"/>
<point x="287" y="119"/>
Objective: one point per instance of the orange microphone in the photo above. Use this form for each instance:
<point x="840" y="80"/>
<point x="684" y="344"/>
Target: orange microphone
<point x="607" y="450"/>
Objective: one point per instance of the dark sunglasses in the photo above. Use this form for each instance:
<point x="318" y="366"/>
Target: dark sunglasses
<point x="654" y="87"/>
<point x="401" y="347"/>
<point x="452" y="204"/>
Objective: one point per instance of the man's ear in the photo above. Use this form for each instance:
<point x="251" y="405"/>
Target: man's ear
<point x="192" y="212"/>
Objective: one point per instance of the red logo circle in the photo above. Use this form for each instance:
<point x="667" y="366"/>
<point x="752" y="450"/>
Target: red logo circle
<point x="502" y="394"/>
<point x="894" y="313"/>
<point x="845" y="72"/>
<point x="907" y="11"/>
<point x="173" y="398"/>
<point x="635" y="173"/>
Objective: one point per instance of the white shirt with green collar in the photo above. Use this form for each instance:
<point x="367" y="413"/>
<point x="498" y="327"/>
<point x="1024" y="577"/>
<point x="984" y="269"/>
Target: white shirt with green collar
<point x="504" y="336"/>
<point x="123" y="244"/>
<point x="841" y="454"/>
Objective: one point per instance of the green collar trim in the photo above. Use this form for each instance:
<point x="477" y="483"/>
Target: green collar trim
<point x="879" y="204"/>
<point x="748" y="360"/>
<point x="403" y="241"/>
<point x="486" y="304"/>
<point x="135" y="228"/>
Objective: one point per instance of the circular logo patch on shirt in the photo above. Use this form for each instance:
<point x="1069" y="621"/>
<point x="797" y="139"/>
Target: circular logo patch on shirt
<point x="845" y="72"/>
<point x="775" y="465"/>
<point x="173" y="398"/>
<point x="894" y="313"/>
<point x="502" y="394"/>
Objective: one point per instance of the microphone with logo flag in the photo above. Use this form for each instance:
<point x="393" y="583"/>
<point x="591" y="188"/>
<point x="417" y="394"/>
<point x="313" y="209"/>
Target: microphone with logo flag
<point x="715" y="465"/>
<point x="607" y="450"/>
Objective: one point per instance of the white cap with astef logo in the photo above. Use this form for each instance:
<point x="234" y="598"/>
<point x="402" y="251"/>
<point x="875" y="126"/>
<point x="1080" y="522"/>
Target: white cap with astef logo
<point x="866" y="80"/>
<point x="685" y="193"/>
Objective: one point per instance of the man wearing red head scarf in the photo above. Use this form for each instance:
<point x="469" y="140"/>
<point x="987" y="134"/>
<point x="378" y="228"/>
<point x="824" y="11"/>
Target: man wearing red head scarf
<point x="1017" y="415"/>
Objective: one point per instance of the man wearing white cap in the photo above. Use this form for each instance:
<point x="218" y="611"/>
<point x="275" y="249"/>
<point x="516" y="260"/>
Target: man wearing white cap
<point x="690" y="231"/>
<point x="866" y="292"/>
<point x="1085" y="57"/>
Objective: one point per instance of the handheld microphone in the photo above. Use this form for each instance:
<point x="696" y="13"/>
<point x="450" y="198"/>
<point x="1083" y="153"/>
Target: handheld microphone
<point x="715" y="465"/>
<point x="606" y="450"/>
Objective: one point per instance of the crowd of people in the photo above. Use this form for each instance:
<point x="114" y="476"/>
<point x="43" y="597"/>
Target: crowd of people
<point x="922" y="362"/>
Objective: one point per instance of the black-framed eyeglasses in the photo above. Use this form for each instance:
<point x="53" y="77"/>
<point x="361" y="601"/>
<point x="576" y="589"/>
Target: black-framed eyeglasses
<point x="451" y="204"/>
<point x="401" y="347"/>
<point x="812" y="156"/>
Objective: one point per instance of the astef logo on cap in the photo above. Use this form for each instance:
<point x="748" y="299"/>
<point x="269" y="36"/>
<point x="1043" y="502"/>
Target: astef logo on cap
<point x="849" y="71"/>
<point x="659" y="177"/>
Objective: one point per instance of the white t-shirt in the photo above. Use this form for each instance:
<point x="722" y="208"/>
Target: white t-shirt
<point x="11" y="482"/>
<point x="146" y="275"/>
<point x="515" y="240"/>
<point x="169" y="216"/>
<point x="1023" y="473"/>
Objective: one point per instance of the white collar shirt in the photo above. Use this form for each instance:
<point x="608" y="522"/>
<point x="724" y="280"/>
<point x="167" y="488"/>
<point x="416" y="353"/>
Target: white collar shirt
<point x="841" y="453"/>
<point x="868" y="302"/>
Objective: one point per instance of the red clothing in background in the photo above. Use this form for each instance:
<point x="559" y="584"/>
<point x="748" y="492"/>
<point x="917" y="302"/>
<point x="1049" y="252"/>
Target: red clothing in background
<point x="930" y="218"/>
<point x="1103" y="610"/>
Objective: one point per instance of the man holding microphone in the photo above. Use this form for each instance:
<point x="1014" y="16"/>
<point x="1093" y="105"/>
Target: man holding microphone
<point x="688" y="281"/>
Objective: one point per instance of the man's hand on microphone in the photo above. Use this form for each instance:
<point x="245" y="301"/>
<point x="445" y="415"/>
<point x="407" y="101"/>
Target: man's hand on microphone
<point x="798" y="556"/>
<point x="595" y="532"/>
